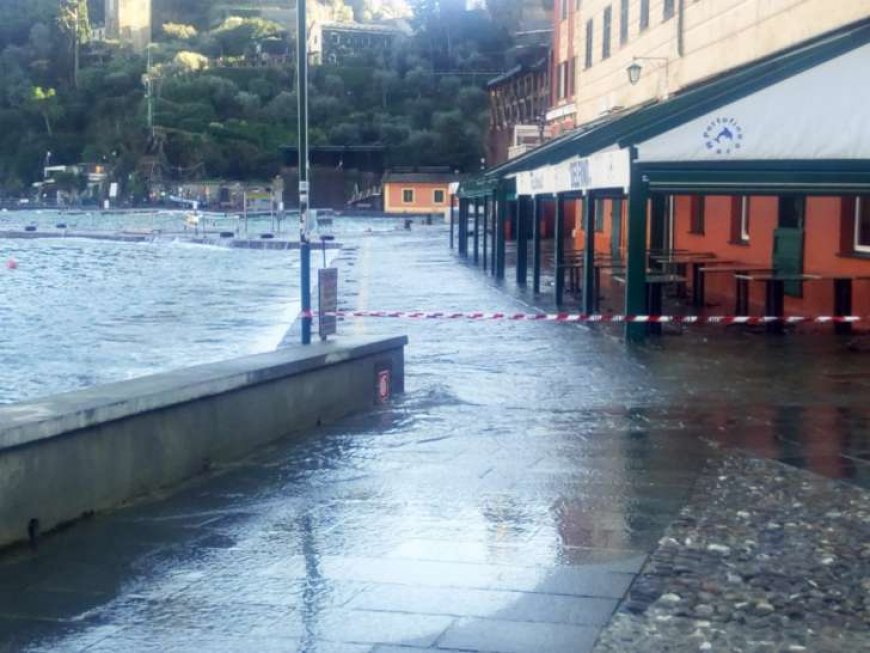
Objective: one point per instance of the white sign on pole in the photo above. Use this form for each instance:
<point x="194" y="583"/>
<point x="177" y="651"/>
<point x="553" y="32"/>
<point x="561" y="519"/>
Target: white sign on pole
<point x="113" y="190"/>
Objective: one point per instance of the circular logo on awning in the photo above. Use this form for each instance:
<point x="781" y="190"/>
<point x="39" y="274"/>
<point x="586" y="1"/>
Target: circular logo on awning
<point x="723" y="136"/>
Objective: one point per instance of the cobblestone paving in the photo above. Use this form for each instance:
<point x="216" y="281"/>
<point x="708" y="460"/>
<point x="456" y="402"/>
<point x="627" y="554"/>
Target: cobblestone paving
<point x="764" y="558"/>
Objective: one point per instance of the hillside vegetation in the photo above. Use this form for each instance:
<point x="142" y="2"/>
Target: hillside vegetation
<point x="224" y="93"/>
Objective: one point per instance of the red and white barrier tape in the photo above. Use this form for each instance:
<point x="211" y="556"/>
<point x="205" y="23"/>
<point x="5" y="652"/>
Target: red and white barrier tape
<point x="583" y="317"/>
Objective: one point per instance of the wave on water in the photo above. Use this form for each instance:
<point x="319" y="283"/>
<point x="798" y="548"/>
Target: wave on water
<point x="185" y="244"/>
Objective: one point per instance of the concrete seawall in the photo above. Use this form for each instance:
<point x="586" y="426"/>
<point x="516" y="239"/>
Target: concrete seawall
<point x="68" y="455"/>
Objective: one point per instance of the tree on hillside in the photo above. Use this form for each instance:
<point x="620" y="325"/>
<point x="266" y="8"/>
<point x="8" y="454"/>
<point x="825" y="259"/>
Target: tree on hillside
<point x="179" y="31"/>
<point x="236" y="36"/>
<point x="75" y="25"/>
<point x="44" y="101"/>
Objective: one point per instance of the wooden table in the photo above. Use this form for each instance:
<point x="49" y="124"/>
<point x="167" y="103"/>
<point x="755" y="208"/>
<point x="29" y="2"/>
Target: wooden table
<point x="774" y="293"/>
<point x="842" y="296"/>
<point x="741" y="302"/>
<point x="655" y="283"/>
<point x="695" y="260"/>
<point x="574" y="264"/>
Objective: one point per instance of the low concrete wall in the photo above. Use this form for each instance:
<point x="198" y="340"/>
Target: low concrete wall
<point x="68" y="455"/>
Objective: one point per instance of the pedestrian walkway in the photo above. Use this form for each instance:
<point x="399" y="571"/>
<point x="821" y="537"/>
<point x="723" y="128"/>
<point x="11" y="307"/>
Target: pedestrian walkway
<point x="505" y="504"/>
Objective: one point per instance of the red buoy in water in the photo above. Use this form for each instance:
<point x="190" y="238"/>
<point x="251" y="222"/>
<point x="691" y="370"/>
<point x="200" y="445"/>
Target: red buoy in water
<point x="12" y="264"/>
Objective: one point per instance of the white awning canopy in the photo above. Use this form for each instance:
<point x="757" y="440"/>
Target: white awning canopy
<point x="819" y="114"/>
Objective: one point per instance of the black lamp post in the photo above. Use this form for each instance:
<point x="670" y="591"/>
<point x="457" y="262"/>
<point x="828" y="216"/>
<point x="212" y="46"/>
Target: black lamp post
<point x="634" y="71"/>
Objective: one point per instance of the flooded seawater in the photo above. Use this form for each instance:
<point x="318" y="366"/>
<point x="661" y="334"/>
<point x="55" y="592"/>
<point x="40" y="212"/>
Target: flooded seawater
<point x="78" y="312"/>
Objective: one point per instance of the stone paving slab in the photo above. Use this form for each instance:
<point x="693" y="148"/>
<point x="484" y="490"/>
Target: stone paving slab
<point x="497" y="636"/>
<point x="505" y="503"/>
<point x="511" y="606"/>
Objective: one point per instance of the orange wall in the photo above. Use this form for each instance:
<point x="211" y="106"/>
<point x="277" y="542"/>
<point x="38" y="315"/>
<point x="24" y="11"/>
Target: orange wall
<point x="602" y="238"/>
<point x="423" y="197"/>
<point x="821" y="252"/>
<point x="822" y="249"/>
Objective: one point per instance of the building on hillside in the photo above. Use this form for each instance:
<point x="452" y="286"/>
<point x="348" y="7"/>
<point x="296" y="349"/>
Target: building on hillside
<point x="417" y="191"/>
<point x="727" y="137"/>
<point x="518" y="102"/>
<point x="73" y="184"/>
<point x="339" y="43"/>
<point x="129" y="21"/>
<point x="282" y="13"/>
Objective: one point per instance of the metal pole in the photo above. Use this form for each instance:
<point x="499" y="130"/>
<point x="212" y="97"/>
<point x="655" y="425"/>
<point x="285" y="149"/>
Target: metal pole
<point x="150" y="86"/>
<point x="486" y="212"/>
<point x="635" y="278"/>
<point x="76" y="49"/>
<point x="302" y="94"/>
<point x="522" y="238"/>
<point x="559" y="246"/>
<point x="501" y="217"/>
<point x="476" y="205"/>
<point x="537" y="213"/>
<point x="590" y="291"/>
<point x="452" y="219"/>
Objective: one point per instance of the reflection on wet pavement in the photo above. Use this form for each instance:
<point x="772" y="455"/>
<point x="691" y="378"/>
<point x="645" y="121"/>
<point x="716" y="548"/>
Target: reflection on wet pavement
<point x="504" y="504"/>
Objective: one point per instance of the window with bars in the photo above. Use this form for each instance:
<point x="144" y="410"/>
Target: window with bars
<point x="572" y="75"/>
<point x="862" y="224"/>
<point x="668" y="11"/>
<point x="564" y="83"/>
<point x="743" y="232"/>
<point x="605" y="32"/>
<point x="644" y="14"/>
<point x="696" y="223"/>
<point x="623" y="22"/>
<point x="589" y="36"/>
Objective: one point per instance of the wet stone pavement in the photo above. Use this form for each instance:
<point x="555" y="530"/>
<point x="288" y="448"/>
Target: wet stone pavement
<point x="505" y="504"/>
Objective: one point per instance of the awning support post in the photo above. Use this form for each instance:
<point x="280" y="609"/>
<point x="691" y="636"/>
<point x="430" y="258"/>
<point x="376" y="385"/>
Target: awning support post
<point x="487" y="209"/>
<point x="559" y="245"/>
<point x="493" y="208"/>
<point x="522" y="239"/>
<point x="635" y="278"/>
<point x="537" y="212"/>
<point x="476" y="257"/>
<point x="590" y="289"/>
<point x="463" y="227"/>
<point x="452" y="218"/>
<point x="501" y="219"/>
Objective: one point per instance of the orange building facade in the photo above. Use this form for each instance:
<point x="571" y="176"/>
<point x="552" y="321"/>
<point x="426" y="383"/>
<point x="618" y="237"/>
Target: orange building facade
<point x="759" y="165"/>
<point x="417" y="193"/>
<point x="836" y="237"/>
